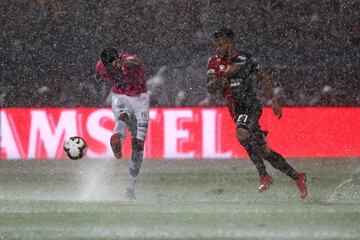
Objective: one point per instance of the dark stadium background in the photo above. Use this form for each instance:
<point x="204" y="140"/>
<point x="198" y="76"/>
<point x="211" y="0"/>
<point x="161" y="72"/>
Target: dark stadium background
<point x="49" y="48"/>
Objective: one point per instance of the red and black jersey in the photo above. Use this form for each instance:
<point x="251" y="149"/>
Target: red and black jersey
<point x="240" y="93"/>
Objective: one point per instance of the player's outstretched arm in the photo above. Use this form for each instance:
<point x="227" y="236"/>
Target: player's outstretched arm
<point x="267" y="86"/>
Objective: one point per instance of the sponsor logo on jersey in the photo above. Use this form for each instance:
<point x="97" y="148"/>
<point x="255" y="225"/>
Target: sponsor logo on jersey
<point x="235" y="84"/>
<point x="144" y="125"/>
<point x="211" y="71"/>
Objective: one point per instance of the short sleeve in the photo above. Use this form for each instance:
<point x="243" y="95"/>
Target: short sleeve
<point x="255" y="66"/>
<point x="211" y="66"/>
<point x="100" y="68"/>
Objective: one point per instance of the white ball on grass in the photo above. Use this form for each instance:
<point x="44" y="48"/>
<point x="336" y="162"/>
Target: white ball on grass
<point x="75" y="148"/>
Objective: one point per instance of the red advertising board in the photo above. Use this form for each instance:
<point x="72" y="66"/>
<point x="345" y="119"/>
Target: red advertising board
<point x="179" y="133"/>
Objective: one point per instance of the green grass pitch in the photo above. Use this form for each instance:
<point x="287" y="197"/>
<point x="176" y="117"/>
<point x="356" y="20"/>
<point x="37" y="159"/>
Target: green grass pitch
<point x="177" y="199"/>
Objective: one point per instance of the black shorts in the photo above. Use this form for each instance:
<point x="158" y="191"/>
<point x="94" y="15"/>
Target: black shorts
<point x="248" y="118"/>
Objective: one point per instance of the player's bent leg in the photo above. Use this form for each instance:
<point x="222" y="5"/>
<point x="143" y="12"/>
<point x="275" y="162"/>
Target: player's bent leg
<point x="279" y="163"/>
<point x="275" y="159"/>
<point x="117" y="138"/>
<point x="116" y="145"/>
<point x="254" y="153"/>
<point x="124" y="117"/>
<point x="244" y="138"/>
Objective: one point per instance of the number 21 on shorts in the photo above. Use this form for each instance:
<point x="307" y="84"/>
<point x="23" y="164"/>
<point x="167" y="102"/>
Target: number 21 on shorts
<point x="242" y="119"/>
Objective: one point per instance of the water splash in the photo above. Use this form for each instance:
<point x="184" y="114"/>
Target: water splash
<point x="97" y="183"/>
<point x="347" y="190"/>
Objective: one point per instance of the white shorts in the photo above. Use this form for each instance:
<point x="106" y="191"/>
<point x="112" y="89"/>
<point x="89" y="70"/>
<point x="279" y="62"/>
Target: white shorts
<point x="137" y="108"/>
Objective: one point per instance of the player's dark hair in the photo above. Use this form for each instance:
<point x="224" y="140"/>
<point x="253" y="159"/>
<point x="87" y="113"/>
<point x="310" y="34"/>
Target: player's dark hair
<point x="109" y="55"/>
<point x="223" y="32"/>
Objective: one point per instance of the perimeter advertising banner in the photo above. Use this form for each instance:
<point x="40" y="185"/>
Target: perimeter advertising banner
<point x="179" y="133"/>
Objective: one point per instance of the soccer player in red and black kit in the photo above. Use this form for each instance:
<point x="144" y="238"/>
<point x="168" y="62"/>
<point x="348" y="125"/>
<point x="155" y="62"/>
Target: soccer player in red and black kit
<point x="233" y="72"/>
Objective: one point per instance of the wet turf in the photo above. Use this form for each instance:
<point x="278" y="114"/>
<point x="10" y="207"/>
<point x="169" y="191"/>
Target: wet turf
<point x="176" y="200"/>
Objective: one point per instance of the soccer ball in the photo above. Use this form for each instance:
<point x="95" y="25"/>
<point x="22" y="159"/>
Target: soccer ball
<point x="75" y="148"/>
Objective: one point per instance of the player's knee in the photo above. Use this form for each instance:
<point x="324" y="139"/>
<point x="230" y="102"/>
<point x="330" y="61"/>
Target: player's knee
<point x="242" y="135"/>
<point x="124" y="117"/>
<point x="266" y="151"/>
<point x="259" y="142"/>
<point x="137" y="145"/>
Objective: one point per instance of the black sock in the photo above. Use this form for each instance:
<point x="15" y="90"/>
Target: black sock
<point x="255" y="157"/>
<point x="279" y="162"/>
